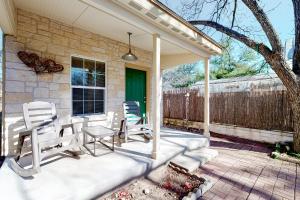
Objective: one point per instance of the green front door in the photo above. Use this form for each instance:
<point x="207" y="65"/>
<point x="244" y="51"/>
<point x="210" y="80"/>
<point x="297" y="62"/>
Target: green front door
<point x="136" y="87"/>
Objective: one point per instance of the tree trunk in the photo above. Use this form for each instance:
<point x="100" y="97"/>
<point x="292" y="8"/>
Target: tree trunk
<point x="296" y="117"/>
<point x="282" y="69"/>
<point x="296" y="57"/>
<point x="296" y="69"/>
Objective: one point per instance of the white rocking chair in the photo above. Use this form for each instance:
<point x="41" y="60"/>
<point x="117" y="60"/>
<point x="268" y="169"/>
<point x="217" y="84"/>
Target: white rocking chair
<point x="134" y="123"/>
<point x="46" y="136"/>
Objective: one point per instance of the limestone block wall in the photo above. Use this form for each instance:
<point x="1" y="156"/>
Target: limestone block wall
<point x="58" y="41"/>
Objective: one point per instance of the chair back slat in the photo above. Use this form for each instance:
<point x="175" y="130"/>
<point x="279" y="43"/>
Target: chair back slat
<point x="41" y="114"/>
<point x="40" y="118"/>
<point x="132" y="112"/>
<point x="38" y="112"/>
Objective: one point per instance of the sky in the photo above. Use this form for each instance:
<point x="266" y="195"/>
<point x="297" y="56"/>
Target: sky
<point x="280" y="13"/>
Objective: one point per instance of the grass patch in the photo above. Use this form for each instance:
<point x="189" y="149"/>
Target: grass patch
<point x="284" y="148"/>
<point x="293" y="154"/>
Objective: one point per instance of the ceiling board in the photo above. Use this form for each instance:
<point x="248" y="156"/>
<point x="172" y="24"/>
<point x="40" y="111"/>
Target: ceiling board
<point x="78" y="14"/>
<point x="65" y="11"/>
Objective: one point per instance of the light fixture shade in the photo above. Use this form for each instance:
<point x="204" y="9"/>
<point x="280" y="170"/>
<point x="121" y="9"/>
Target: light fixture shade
<point x="129" y="56"/>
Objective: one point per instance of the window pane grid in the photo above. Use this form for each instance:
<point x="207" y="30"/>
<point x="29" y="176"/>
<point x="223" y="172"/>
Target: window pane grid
<point x="88" y="95"/>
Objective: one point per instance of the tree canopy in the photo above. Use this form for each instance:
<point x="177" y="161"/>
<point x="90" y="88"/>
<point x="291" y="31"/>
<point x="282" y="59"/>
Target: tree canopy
<point x="231" y="63"/>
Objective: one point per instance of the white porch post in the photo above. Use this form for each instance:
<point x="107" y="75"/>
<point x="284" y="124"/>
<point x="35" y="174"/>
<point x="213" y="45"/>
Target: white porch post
<point x="156" y="95"/>
<point x="206" y="99"/>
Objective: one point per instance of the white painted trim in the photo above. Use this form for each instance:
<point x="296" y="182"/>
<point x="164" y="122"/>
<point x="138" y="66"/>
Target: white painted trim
<point x="168" y="61"/>
<point x="267" y="136"/>
<point x="185" y="32"/>
<point x="91" y="87"/>
<point x="88" y="87"/>
<point x="8" y="22"/>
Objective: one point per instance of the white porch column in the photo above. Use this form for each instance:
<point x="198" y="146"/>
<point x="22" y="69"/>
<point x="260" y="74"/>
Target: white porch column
<point x="206" y="98"/>
<point x="156" y="95"/>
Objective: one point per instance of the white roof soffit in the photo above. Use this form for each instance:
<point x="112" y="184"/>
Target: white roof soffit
<point x="7" y="17"/>
<point x="189" y="40"/>
<point x="169" y="23"/>
<point x="169" y="61"/>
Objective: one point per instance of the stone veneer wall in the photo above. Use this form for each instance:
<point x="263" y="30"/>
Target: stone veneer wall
<point x="55" y="40"/>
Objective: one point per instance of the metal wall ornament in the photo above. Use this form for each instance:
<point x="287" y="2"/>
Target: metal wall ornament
<point x="38" y="64"/>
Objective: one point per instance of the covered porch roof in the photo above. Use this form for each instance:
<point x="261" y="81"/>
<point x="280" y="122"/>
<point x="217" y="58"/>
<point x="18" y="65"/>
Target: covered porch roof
<point x="180" y="42"/>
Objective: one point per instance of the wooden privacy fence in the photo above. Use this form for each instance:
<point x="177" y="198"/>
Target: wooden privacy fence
<point x="266" y="110"/>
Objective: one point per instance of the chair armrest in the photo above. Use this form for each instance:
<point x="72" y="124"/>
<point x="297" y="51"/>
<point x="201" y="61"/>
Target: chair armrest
<point x="25" y="132"/>
<point x="146" y="118"/>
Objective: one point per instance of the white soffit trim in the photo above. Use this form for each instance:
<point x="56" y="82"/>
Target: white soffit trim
<point x="7" y="17"/>
<point x="169" y="61"/>
<point x="115" y="9"/>
<point x="169" y="23"/>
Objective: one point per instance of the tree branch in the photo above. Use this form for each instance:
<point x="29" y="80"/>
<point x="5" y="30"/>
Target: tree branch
<point x="234" y="13"/>
<point x="275" y="59"/>
<point x="260" y="47"/>
<point x="296" y="56"/>
<point x="265" y="23"/>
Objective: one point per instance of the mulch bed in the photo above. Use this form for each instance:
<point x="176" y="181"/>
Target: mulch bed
<point x="172" y="185"/>
<point x="179" y="183"/>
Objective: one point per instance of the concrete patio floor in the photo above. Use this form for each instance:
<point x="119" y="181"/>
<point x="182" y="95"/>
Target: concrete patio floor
<point x="245" y="171"/>
<point x="64" y="177"/>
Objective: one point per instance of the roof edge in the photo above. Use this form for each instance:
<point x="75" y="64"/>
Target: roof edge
<point x="182" y="20"/>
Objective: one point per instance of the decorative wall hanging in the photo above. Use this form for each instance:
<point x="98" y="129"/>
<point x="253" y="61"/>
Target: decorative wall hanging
<point x="38" y="64"/>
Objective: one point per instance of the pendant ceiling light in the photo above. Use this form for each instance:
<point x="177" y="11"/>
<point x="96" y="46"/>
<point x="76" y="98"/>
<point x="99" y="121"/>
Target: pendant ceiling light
<point x="129" y="56"/>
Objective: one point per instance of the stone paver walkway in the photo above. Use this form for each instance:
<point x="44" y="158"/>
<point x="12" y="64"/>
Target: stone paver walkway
<point x="243" y="170"/>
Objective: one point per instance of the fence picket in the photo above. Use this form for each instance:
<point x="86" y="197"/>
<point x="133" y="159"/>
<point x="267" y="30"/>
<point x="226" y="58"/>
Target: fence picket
<point x="267" y="110"/>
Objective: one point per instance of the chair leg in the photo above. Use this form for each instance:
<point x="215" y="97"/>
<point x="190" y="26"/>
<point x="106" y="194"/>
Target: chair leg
<point x="61" y="134"/>
<point x="84" y="138"/>
<point x="19" y="147"/>
<point x="20" y="170"/>
<point x="113" y="143"/>
<point x="36" y="152"/>
<point x="94" y="146"/>
<point x="125" y="135"/>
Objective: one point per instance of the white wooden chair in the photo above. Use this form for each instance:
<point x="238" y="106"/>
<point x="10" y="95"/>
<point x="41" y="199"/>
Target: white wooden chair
<point x="47" y="139"/>
<point x="134" y="123"/>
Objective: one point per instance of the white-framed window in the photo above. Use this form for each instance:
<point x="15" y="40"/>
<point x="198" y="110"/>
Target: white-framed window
<point x="88" y="86"/>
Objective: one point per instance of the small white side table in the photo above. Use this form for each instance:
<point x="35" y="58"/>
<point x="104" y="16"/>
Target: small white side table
<point x="98" y="132"/>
